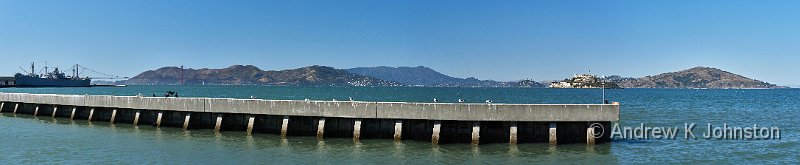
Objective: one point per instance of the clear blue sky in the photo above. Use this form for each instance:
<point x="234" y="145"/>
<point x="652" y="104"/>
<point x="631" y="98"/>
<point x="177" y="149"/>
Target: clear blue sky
<point x="500" y="40"/>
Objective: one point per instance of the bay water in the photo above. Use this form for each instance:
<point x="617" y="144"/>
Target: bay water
<point x="26" y="139"/>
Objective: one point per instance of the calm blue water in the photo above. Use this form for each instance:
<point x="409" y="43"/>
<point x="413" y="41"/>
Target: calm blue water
<point x="33" y="140"/>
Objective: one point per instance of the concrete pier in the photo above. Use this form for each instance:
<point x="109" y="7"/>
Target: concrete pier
<point x="91" y="113"/>
<point x="158" y="118"/>
<point x="55" y="109"/>
<point x="476" y="132"/>
<point x="553" y="137"/>
<point x="437" y="128"/>
<point x="284" y="126"/>
<point x="590" y="135"/>
<point x="357" y="129"/>
<point x="186" y="120"/>
<point x="135" y="117"/>
<point x="113" y="115"/>
<point x="512" y="133"/>
<point x="72" y="114"/>
<point x="398" y="130"/>
<point x="475" y="123"/>
<point x="218" y="123"/>
<point x="250" y="122"/>
<point x="321" y="128"/>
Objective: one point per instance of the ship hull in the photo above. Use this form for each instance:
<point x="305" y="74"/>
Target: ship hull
<point x="42" y="82"/>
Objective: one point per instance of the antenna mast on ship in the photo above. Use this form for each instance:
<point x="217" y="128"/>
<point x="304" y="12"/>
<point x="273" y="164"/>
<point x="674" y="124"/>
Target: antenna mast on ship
<point x="75" y="75"/>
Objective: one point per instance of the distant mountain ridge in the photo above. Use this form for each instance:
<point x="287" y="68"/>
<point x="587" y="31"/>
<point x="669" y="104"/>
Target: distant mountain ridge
<point x="697" y="77"/>
<point x="424" y="76"/>
<point x="251" y="75"/>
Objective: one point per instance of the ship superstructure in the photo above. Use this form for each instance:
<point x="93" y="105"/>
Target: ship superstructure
<point x="56" y="78"/>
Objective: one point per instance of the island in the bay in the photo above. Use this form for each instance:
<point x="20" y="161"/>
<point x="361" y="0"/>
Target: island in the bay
<point x="697" y="77"/>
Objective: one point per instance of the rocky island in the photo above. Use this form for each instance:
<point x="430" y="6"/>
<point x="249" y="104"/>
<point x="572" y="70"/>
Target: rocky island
<point x="584" y="81"/>
<point x="697" y="77"/>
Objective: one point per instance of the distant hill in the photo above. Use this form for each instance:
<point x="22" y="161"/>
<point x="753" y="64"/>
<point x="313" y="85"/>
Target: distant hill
<point x="424" y="76"/>
<point x="251" y="75"/>
<point x="697" y="77"/>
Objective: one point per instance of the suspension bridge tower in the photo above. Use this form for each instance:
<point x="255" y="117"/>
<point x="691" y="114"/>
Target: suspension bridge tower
<point x="183" y="82"/>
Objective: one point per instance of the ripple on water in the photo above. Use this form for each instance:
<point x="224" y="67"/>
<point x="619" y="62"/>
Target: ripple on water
<point x="39" y="140"/>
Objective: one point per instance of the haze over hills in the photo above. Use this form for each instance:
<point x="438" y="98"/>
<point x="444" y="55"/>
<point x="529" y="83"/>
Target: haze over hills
<point x="697" y="77"/>
<point x="424" y="76"/>
<point x="251" y="75"/>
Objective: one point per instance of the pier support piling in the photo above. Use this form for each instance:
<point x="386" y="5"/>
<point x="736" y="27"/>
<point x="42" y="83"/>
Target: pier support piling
<point x="553" y="138"/>
<point x="55" y="109"/>
<point x="186" y="120"/>
<point x="519" y="123"/>
<point x="476" y="133"/>
<point x="590" y="135"/>
<point x="158" y="118"/>
<point x="321" y="128"/>
<point x="218" y="124"/>
<point x="437" y="127"/>
<point x="91" y="112"/>
<point x="113" y="115"/>
<point x="357" y="129"/>
<point x="250" y="121"/>
<point x="72" y="114"/>
<point x="398" y="130"/>
<point x="284" y="126"/>
<point x="512" y="133"/>
<point x="136" y="117"/>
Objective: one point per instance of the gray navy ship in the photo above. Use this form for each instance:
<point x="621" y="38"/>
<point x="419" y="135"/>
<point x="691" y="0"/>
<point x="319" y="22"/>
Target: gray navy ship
<point x="56" y="78"/>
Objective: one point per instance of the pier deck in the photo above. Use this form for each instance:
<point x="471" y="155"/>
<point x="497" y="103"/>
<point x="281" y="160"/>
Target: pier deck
<point x="435" y="122"/>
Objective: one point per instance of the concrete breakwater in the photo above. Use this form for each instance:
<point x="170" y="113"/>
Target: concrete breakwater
<point x="436" y="122"/>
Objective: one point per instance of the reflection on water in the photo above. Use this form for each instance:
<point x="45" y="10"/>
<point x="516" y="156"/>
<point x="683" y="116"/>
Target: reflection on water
<point x="25" y="139"/>
<point x="284" y="142"/>
<point x="399" y="148"/>
<point x="552" y="148"/>
<point x="207" y="146"/>
<point x="250" y="142"/>
<point x="513" y="150"/>
<point x="476" y="151"/>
